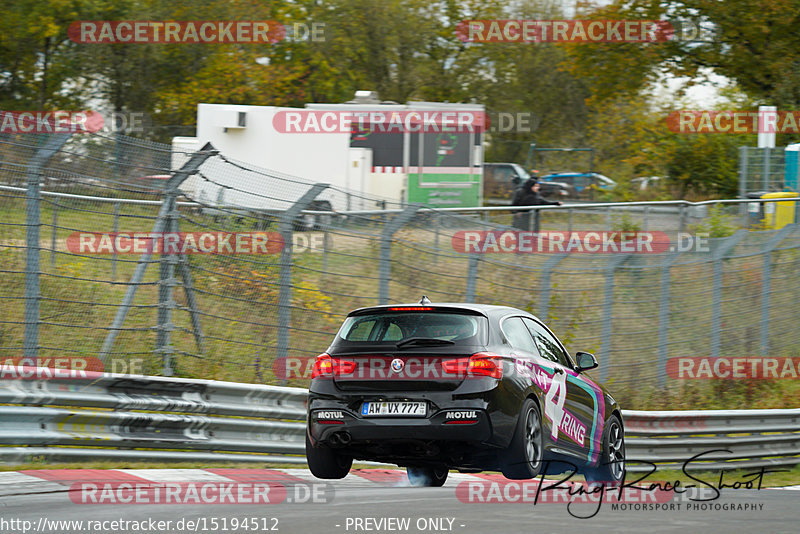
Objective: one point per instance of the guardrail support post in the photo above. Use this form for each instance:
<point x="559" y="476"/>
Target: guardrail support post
<point x="723" y="247"/>
<point x="384" y="266"/>
<point x="33" y="222"/>
<point x="286" y="227"/>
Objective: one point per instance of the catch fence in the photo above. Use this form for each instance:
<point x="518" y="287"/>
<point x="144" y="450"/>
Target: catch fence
<point x="260" y="314"/>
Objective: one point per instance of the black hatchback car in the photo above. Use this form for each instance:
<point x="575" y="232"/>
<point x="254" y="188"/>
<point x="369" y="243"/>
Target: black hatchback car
<point x="434" y="387"/>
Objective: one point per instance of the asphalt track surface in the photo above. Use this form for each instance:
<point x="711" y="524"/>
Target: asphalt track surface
<point x="365" y="501"/>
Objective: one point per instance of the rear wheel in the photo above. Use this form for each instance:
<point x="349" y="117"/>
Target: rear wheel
<point x="611" y="466"/>
<point x="427" y="476"/>
<point x="324" y="462"/>
<point x="524" y="456"/>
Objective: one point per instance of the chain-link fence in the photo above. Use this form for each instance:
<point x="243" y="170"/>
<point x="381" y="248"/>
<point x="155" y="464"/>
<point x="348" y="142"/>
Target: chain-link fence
<point x="762" y="170"/>
<point x="265" y="266"/>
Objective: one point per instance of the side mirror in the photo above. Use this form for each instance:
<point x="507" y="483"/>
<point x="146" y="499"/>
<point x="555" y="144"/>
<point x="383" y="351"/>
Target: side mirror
<point x="586" y="361"/>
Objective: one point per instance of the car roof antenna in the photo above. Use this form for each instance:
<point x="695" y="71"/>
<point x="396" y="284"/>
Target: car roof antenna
<point x="424" y="300"/>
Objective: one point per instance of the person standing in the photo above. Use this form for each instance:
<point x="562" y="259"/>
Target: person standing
<point x="528" y="195"/>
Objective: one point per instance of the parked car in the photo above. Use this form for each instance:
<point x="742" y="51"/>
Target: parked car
<point x="585" y="184"/>
<point x="644" y="183"/>
<point x="556" y="191"/>
<point x="434" y="387"/>
<point x="500" y="180"/>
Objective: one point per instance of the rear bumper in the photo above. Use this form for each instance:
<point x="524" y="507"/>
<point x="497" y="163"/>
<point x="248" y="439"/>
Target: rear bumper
<point x="466" y="425"/>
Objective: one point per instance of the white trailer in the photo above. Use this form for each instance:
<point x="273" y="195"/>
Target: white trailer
<point x="258" y="136"/>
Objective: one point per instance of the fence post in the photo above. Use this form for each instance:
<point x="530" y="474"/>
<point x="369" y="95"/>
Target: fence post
<point x="114" y="253"/>
<point x="472" y="276"/>
<point x="33" y="221"/>
<point x="166" y="284"/>
<point x="189" y="168"/>
<point x="663" y="316"/>
<point x="724" y="246"/>
<point x="608" y="307"/>
<point x="743" y="161"/>
<point x="766" y="282"/>
<point x="286" y="229"/>
<point x="53" y="235"/>
<point x="544" y="283"/>
<point x="644" y="218"/>
<point x="384" y="265"/>
<point x="436" y="237"/>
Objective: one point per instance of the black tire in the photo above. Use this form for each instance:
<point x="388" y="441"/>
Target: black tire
<point x="326" y="463"/>
<point x="610" y="468"/>
<point x="427" y="476"/>
<point x="523" y="459"/>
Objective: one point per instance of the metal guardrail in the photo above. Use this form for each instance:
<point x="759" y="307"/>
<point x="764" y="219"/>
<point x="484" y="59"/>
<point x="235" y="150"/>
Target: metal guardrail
<point x="108" y="416"/>
<point x="723" y="439"/>
<point x="200" y="420"/>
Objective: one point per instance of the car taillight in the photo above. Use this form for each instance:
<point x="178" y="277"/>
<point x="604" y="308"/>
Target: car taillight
<point x="485" y="364"/>
<point x="343" y="367"/>
<point x="325" y="366"/>
<point x="479" y="364"/>
<point x="457" y="366"/>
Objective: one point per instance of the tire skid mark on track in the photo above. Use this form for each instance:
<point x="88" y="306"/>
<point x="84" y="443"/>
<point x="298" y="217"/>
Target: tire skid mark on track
<point x="384" y="477"/>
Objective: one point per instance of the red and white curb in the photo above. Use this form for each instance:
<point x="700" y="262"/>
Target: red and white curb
<point x="60" y="480"/>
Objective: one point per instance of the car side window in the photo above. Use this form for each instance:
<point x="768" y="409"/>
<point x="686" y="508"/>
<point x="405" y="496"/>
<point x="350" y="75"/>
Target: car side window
<point x="518" y="335"/>
<point x="548" y="346"/>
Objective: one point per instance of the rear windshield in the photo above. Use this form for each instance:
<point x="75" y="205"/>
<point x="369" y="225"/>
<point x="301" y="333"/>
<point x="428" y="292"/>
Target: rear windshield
<point x="394" y="327"/>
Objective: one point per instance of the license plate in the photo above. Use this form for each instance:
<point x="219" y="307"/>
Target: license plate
<point x="393" y="409"/>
